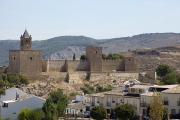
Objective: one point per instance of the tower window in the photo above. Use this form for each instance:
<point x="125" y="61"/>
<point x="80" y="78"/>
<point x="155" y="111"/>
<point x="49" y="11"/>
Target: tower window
<point x="30" y="58"/>
<point x="14" y="58"/>
<point x="96" y="51"/>
<point x="26" y="41"/>
<point x="129" y="59"/>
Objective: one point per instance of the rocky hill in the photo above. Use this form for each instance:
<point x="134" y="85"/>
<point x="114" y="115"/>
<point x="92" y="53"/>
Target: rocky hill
<point x="64" y="47"/>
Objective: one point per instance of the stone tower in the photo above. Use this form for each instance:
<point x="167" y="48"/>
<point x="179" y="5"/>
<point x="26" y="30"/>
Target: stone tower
<point x="130" y="64"/>
<point x="25" y="61"/>
<point x="94" y="56"/>
<point x="25" y="43"/>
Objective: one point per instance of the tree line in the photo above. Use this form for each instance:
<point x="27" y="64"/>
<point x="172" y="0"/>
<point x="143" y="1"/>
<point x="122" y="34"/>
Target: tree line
<point x="88" y="89"/>
<point x="111" y="56"/>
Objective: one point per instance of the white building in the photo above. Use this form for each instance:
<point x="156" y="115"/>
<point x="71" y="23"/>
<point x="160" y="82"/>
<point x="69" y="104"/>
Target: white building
<point x="171" y="100"/>
<point x="11" y="93"/>
<point x="11" y="107"/>
<point x="81" y="102"/>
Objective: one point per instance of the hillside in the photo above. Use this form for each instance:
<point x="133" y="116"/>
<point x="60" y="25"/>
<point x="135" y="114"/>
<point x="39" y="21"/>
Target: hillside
<point x="64" y="47"/>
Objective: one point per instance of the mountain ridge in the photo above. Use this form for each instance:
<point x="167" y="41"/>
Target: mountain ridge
<point x="63" y="47"/>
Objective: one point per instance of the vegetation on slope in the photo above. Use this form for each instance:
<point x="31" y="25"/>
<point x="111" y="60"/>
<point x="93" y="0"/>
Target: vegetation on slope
<point x="11" y="79"/>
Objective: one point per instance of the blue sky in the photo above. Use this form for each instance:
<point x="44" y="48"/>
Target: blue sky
<point x="100" y="19"/>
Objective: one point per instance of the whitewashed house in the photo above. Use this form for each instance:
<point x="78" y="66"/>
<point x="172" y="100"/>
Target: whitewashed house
<point x="13" y="105"/>
<point x="11" y="93"/>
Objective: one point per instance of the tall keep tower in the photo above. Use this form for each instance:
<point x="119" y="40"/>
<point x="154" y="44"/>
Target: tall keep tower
<point x="25" y="43"/>
<point x="25" y="61"/>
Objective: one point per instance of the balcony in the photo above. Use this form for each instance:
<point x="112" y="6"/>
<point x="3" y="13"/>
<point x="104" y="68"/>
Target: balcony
<point x="178" y="103"/>
<point x="165" y="102"/>
<point x="109" y="104"/>
<point x="93" y="104"/>
<point x="144" y="104"/>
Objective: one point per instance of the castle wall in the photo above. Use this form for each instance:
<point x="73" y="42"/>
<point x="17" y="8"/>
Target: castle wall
<point x="56" y="66"/>
<point x="77" y="65"/>
<point x="129" y="75"/>
<point x="44" y="65"/>
<point x="14" y="61"/>
<point x="117" y="65"/>
<point x="58" y="76"/>
<point x="31" y="62"/>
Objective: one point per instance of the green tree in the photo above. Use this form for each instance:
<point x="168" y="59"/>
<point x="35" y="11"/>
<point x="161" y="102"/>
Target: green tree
<point x="74" y="94"/>
<point x="171" y="78"/>
<point x="165" y="112"/>
<point x="61" y="107"/>
<point x="98" y="113"/>
<point x="23" y="114"/>
<point x="35" y="114"/>
<point x="125" y="111"/>
<point x="57" y="95"/>
<point x="104" y="56"/>
<point x="156" y="108"/>
<point x="163" y="69"/>
<point x="2" y="91"/>
<point x="83" y="57"/>
<point x="49" y="109"/>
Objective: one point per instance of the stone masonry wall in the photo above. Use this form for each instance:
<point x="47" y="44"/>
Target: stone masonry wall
<point x="31" y="62"/>
<point x="56" y="66"/>
<point x="14" y="61"/>
<point x="117" y="65"/>
<point x="77" y="65"/>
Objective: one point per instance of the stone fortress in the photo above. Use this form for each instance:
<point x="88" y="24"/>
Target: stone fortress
<point x="29" y="62"/>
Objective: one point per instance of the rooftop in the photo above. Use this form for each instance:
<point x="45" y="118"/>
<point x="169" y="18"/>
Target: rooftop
<point x="164" y="86"/>
<point x="25" y="35"/>
<point x="98" y="94"/>
<point x="172" y="90"/>
<point x="77" y="105"/>
<point x="140" y="86"/>
<point x="148" y="94"/>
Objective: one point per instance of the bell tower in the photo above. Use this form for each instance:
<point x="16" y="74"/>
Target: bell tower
<point x="25" y="43"/>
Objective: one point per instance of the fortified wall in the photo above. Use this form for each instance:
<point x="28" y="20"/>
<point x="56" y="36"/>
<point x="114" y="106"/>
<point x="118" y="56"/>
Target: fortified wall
<point x="29" y="63"/>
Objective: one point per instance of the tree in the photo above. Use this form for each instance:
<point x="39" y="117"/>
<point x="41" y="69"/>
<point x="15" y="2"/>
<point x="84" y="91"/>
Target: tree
<point x="156" y="108"/>
<point x="165" y="112"/>
<point x="74" y="57"/>
<point x="98" y="113"/>
<point x="50" y="109"/>
<point x="23" y="114"/>
<point x="61" y="107"/>
<point x="83" y="57"/>
<point x="35" y="114"/>
<point x="125" y="111"/>
<point x="171" y="78"/>
<point x="163" y="69"/>
<point x="104" y="56"/>
<point x="57" y="95"/>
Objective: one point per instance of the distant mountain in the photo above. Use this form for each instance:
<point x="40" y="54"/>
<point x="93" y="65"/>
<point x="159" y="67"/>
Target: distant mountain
<point x="64" y="47"/>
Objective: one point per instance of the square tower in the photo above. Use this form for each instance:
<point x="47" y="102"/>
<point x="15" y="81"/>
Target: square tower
<point x="25" y="61"/>
<point x="94" y="56"/>
<point x="25" y="43"/>
<point x="130" y="64"/>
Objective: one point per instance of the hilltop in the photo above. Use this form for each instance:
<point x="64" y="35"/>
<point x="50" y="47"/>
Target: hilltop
<point x="63" y="47"/>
